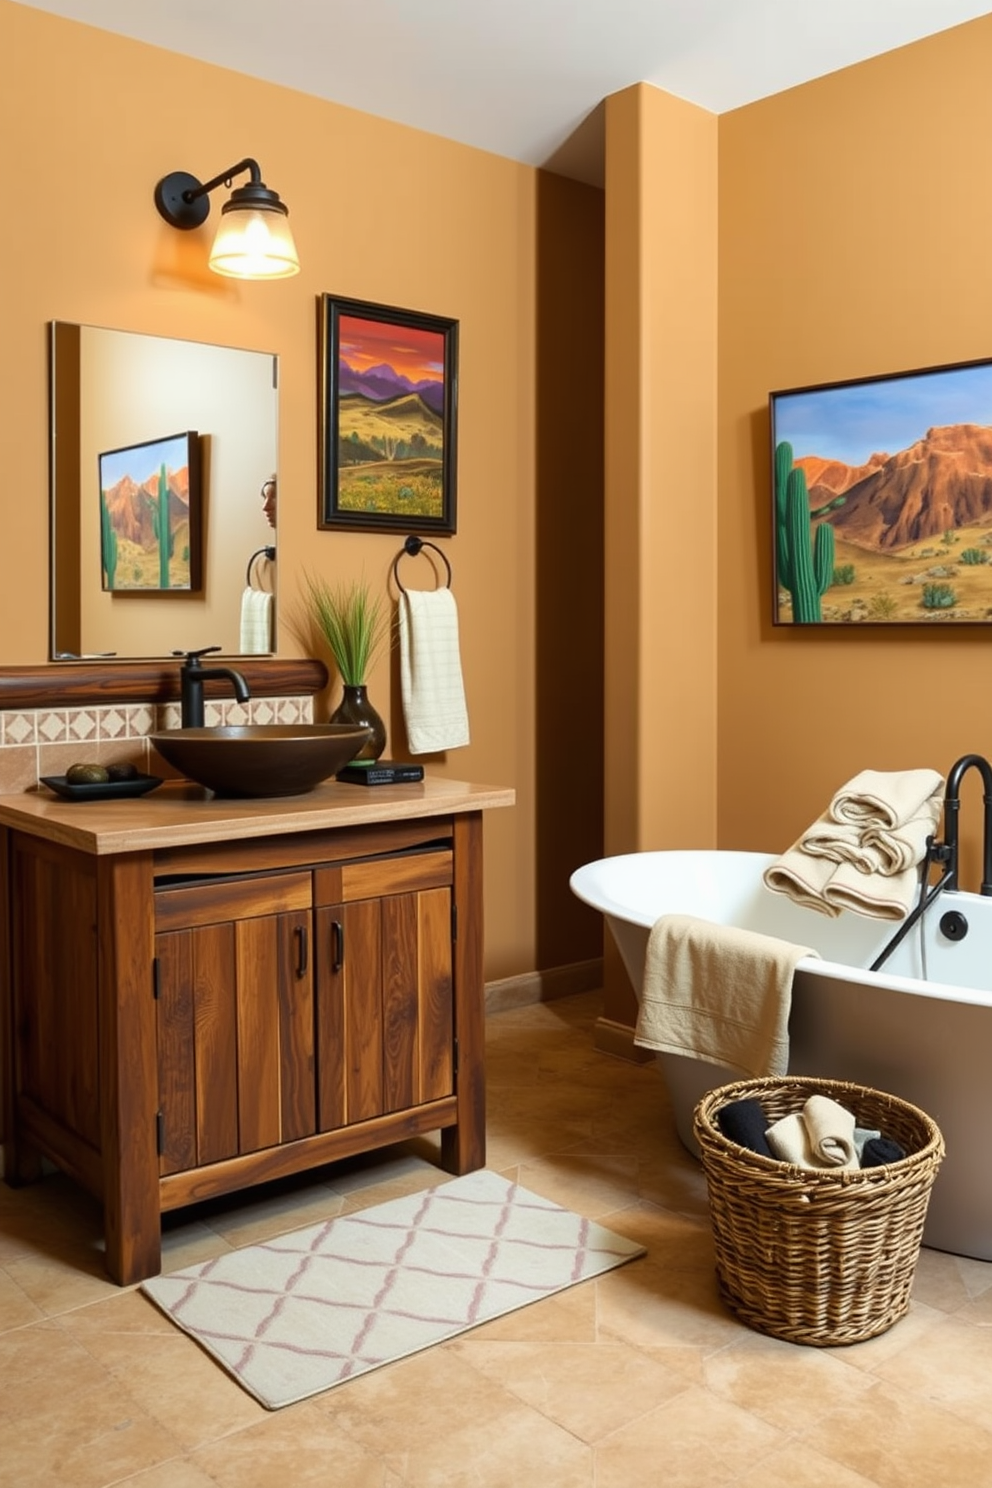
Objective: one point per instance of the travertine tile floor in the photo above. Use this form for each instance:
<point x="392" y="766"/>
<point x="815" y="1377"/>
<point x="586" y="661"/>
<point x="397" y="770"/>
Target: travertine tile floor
<point x="640" y="1377"/>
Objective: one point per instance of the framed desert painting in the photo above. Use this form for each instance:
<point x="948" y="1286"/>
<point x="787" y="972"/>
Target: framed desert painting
<point x="387" y="417"/>
<point x="150" y="515"/>
<point x="883" y="499"/>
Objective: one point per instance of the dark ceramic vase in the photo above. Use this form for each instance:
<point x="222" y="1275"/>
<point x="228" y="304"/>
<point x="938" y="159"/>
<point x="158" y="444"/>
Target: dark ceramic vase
<point x="355" y="708"/>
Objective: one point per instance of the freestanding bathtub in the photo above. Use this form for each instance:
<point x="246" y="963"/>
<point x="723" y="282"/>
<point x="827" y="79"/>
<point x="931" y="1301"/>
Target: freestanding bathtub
<point x="920" y="1028"/>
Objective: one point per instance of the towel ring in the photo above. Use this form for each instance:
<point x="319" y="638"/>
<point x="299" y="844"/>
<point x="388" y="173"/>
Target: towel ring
<point x="270" y="553"/>
<point x="413" y="546"/>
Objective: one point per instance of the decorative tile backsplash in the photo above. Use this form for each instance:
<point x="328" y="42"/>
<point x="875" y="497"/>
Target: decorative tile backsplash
<point x="46" y="741"/>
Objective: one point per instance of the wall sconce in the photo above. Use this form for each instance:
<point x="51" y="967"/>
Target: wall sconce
<point x="253" y="240"/>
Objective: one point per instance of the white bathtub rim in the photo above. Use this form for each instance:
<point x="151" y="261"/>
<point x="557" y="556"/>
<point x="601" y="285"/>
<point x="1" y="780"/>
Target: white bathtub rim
<point x="815" y="965"/>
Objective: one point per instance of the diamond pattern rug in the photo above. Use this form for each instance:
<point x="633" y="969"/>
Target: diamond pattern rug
<point x="321" y="1305"/>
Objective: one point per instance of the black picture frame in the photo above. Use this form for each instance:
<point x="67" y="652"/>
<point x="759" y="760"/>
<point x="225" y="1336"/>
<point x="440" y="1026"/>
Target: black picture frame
<point x="882" y="499"/>
<point x="133" y="557"/>
<point x="388" y="418"/>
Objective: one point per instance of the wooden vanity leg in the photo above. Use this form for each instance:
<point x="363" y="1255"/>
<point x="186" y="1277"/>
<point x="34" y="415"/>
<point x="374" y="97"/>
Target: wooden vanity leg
<point x="129" y="1072"/>
<point x="463" y="1147"/>
<point x="21" y="1159"/>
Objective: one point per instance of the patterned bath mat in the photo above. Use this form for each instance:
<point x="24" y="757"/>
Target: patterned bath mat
<point x="321" y="1305"/>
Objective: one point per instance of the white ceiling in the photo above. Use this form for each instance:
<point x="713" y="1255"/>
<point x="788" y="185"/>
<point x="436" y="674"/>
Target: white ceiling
<point x="522" y="77"/>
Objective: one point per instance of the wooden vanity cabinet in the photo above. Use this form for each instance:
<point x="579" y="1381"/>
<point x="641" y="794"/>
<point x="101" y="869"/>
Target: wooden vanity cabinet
<point x="189" y="1020"/>
<point x="233" y="989"/>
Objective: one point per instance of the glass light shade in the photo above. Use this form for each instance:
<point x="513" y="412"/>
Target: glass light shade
<point x="254" y="244"/>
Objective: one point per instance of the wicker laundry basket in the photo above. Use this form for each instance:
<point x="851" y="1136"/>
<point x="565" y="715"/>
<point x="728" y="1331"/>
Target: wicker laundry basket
<point x="817" y="1257"/>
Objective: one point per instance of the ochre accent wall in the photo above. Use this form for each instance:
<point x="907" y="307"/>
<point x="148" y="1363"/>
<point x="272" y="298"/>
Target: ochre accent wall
<point x="855" y="239"/>
<point x="381" y="213"/>
<point x="661" y="473"/>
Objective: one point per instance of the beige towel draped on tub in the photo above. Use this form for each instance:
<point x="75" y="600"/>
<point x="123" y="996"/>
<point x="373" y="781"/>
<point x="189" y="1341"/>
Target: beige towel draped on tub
<point x="718" y="993"/>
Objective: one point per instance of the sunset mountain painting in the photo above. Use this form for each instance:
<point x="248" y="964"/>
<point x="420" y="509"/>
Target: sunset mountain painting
<point x="390" y="412"/>
<point x="883" y="500"/>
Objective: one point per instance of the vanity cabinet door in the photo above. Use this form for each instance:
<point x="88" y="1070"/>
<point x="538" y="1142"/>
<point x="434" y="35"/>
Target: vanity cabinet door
<point x="235" y="1026"/>
<point x="384" y="999"/>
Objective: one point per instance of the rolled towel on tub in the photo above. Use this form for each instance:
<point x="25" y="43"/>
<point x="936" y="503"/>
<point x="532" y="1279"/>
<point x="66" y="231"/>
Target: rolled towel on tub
<point x="883" y="896"/>
<point x="884" y="798"/>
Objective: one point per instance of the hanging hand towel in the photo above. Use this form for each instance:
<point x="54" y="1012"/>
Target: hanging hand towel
<point x="256" y="622"/>
<point x="430" y="671"/>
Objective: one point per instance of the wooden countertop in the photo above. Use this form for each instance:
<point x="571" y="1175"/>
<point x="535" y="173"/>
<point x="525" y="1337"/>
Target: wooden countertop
<point x="178" y="814"/>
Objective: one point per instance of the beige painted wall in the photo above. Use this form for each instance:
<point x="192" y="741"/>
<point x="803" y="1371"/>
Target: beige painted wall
<point x="380" y="213"/>
<point x="855" y="238"/>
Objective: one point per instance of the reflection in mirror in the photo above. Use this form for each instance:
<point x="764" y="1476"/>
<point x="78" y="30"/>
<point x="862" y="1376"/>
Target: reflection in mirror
<point x="116" y="390"/>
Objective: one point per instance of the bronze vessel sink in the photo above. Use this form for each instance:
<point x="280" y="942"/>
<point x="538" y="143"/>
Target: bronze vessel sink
<point x="261" y="759"/>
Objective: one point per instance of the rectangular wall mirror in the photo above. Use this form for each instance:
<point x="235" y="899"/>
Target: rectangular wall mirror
<point x="115" y="390"/>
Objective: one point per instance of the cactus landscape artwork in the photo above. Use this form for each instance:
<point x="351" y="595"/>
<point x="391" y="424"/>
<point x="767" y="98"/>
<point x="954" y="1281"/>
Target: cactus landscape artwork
<point x="388" y="418"/>
<point x="883" y="499"/>
<point x="149" y="515"/>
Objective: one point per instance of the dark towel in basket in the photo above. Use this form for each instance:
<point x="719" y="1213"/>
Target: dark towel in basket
<point x="745" y="1122"/>
<point x="879" y="1151"/>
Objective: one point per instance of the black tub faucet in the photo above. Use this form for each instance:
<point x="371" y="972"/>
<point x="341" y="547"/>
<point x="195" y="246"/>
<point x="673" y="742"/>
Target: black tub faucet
<point x="193" y="674"/>
<point x="952" y="806"/>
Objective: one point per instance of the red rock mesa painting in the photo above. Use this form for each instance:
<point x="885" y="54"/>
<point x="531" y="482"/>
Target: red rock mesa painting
<point x="883" y="500"/>
<point x="149" y="510"/>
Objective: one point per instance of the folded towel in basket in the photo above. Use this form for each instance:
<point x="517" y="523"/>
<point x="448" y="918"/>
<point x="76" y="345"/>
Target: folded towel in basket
<point x="880" y="1151"/>
<point x="717" y="993"/>
<point x="745" y="1122"/>
<point x="885" y="798"/>
<point x="820" y="1136"/>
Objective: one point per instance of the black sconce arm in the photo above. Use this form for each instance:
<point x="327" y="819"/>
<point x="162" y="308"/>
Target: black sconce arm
<point x="183" y="200"/>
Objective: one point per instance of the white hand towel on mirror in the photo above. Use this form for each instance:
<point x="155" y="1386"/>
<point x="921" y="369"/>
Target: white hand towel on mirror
<point x="718" y="993"/>
<point x="885" y="798"/>
<point x="431" y="671"/>
<point x="256" y="622"/>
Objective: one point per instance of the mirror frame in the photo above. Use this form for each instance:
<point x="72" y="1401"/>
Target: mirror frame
<point x="76" y="685"/>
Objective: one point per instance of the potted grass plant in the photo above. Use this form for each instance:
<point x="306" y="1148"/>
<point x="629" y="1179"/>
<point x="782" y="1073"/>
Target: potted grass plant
<point x="354" y="625"/>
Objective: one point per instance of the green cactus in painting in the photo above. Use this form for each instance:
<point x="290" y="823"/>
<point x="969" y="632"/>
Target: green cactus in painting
<point x="108" y="542"/>
<point x="805" y="560"/>
<point x="162" y="530"/>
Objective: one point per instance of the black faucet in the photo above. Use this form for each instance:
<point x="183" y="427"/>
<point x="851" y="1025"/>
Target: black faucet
<point x="952" y="805"/>
<point x="192" y="675"/>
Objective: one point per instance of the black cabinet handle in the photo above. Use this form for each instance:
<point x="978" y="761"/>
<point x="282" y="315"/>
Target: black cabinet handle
<point x="303" y="950"/>
<point x="338" y="960"/>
